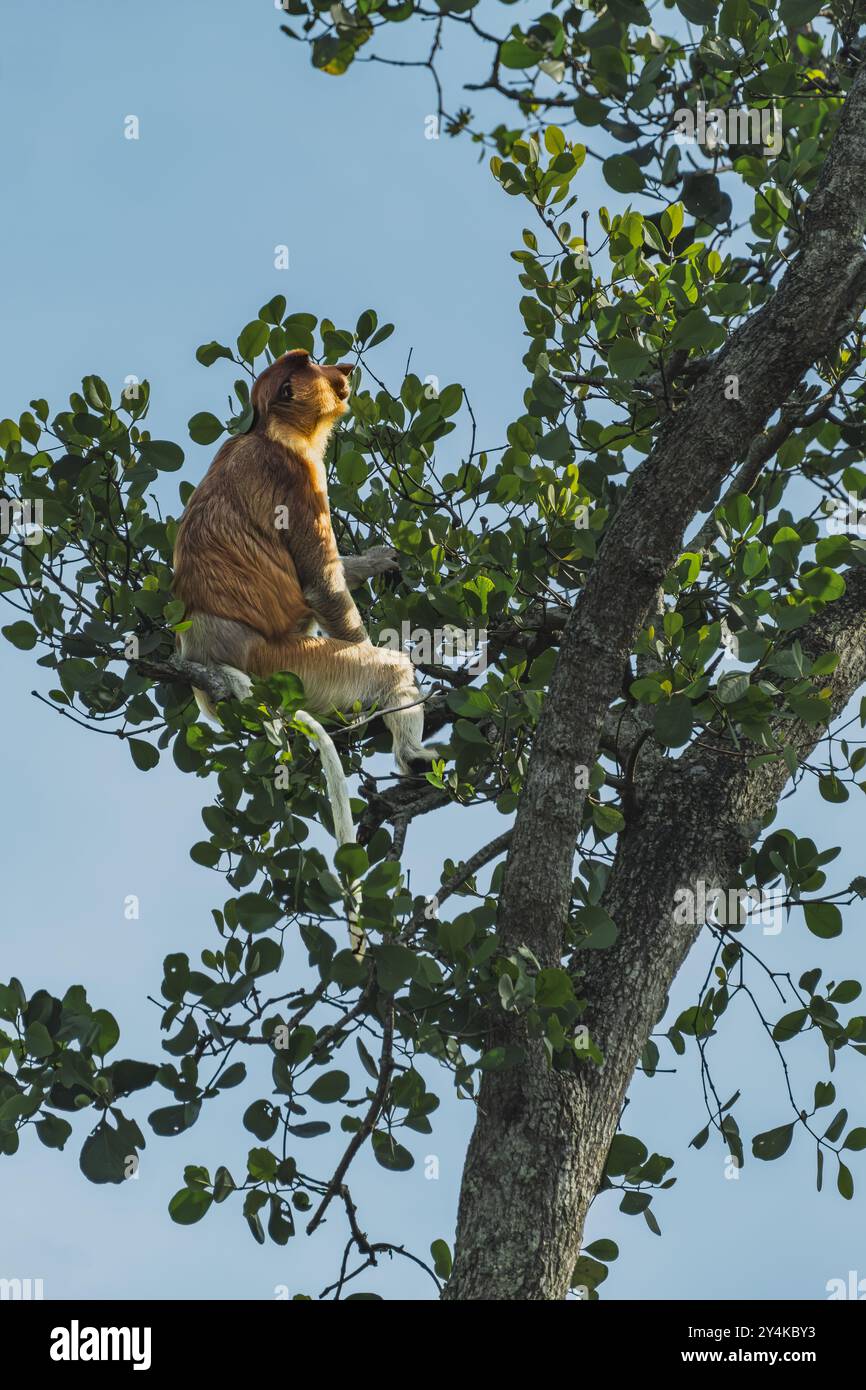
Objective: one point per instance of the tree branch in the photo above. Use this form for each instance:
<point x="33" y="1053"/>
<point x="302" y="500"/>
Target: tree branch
<point x="541" y="1136"/>
<point x="821" y="294"/>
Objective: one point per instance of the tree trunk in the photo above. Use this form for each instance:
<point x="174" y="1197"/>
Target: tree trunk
<point x="538" y="1152"/>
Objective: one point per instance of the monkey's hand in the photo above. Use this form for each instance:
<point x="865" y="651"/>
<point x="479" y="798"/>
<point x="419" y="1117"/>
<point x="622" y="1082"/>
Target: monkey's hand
<point x="380" y="559"/>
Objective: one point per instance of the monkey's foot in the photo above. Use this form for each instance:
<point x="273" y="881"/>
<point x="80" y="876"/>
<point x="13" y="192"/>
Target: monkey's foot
<point x="417" y="762"/>
<point x="381" y="559"/>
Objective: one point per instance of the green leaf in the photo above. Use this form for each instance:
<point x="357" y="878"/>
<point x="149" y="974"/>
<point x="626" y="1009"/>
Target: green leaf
<point x="789" y="1026"/>
<point x="696" y="330"/>
<point x="823" y="919"/>
<point x="514" y="53"/>
<point x="330" y="1087"/>
<point x="395" y="965"/>
<point x="627" y="359"/>
<point x="831" y="789"/>
<point x="189" y="1205"/>
<point x="368" y="1062"/>
<point x="587" y="1273"/>
<point x="302" y="1040"/>
<point x="819" y="1175"/>
<point x="733" y="687"/>
<point x="845" y="1182"/>
<point x="450" y="399"/>
<point x="144" y="755"/>
<point x="311" y="1129"/>
<point x="161" y="454"/>
<point x="232" y="1076"/>
<point x="606" y="1250"/>
<point x="38" y="1040"/>
<point x="672" y="221"/>
<point x="602" y="929"/>
<point x="352" y="861"/>
<point x="554" y="140"/>
<point x="208" y="353"/>
<point x="174" y="1119"/>
<point x="825" y="1094"/>
<point x="106" y="1153"/>
<point x="623" y="174"/>
<point x="381" y="335"/>
<point x="253" y="340"/>
<point x="698" y="11"/>
<point x="500" y="1058"/>
<point x="773" y="1143"/>
<point x="262" y="1165"/>
<point x="22" y="635"/>
<point x="257" y="913"/>
<point x="702" y="196"/>
<point x="281" y="1226"/>
<point x="261" y="1119"/>
<point x="795" y="13"/>
<point x="108" y="1035"/>
<point x="553" y="988"/>
<point x="127" y="1076"/>
<point x="390" y="1154"/>
<point x="351" y="468"/>
<point x="204" y="428"/>
<point x="673" y="721"/>
<point x="626" y="1153"/>
<point x="634" y="1203"/>
<point x="442" y="1262"/>
<point x="223" y="1184"/>
<point x="53" y="1131"/>
<point x="846" y="992"/>
<point x="823" y="583"/>
<point x="607" y="819"/>
<point x="650" y="1220"/>
<point x="96" y="393"/>
<point x="273" y="311"/>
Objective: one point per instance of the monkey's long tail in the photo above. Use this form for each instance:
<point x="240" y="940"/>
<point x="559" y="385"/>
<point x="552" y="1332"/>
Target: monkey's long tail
<point x="344" y="826"/>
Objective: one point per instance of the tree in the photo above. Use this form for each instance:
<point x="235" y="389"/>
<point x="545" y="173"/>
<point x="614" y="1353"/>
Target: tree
<point x="670" y="644"/>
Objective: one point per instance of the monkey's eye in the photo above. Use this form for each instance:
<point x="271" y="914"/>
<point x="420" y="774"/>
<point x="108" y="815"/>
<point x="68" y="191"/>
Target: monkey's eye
<point x="286" y="390"/>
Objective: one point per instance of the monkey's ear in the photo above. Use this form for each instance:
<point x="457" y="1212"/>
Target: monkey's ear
<point x="268" y="386"/>
<point x="262" y="392"/>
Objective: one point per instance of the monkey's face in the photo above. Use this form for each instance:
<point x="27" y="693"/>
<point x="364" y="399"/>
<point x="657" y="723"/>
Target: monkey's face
<point x="295" y="392"/>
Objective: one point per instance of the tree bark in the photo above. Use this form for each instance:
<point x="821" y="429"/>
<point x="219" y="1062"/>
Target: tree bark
<point x="539" y="1148"/>
<point x="541" y="1138"/>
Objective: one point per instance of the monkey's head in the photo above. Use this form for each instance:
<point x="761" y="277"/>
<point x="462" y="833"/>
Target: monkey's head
<point x="296" y="395"/>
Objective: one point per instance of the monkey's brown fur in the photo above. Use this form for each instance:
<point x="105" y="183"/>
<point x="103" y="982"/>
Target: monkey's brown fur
<point x="257" y="566"/>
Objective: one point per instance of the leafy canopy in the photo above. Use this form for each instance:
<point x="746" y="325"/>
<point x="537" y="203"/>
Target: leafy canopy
<point x="621" y="310"/>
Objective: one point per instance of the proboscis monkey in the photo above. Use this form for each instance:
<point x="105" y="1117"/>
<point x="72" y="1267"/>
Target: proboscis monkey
<point x="257" y="567"/>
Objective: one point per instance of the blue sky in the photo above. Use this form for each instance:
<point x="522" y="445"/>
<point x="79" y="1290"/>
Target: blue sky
<point x="121" y="257"/>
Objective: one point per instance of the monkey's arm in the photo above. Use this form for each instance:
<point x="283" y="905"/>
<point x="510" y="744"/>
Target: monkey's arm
<point x="323" y="583"/>
<point x="329" y="597"/>
<point x="327" y="594"/>
<point x="381" y="559"/>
